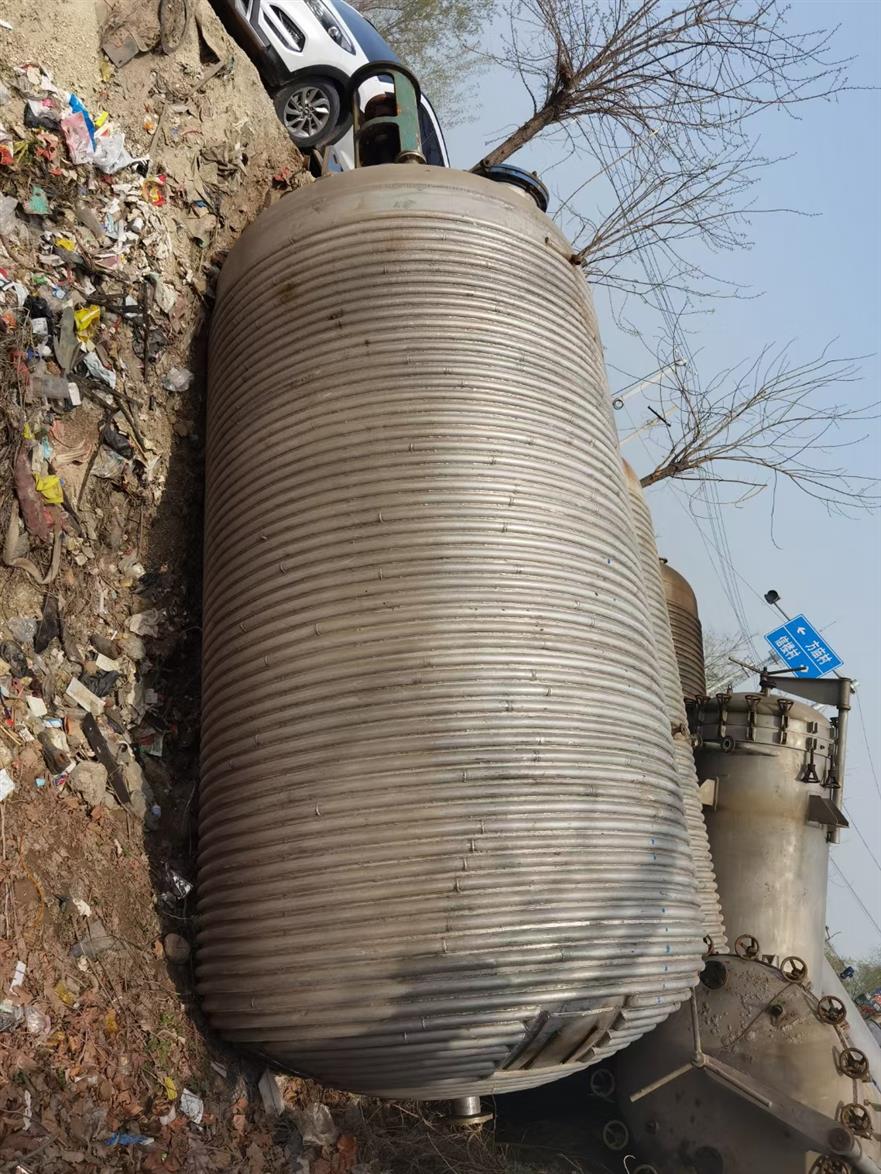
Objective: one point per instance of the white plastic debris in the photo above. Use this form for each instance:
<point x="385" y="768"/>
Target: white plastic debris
<point x="37" y="1022"/>
<point x="315" y="1124"/>
<point x="270" y="1094"/>
<point x="97" y="369"/>
<point x="36" y="705"/>
<point x="168" y="1117"/>
<point x="177" y="379"/>
<point x="82" y="907"/>
<point x="18" y="975"/>
<point x="8" y="220"/>
<point x="7" y="786"/>
<point x="192" y="1106"/>
<point x="85" y="698"/>
<point x="110" y="150"/>
<point x="145" y="623"/>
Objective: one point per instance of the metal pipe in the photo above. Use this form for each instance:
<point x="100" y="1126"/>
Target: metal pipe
<point x="845" y="692"/>
<point x="464" y="1107"/>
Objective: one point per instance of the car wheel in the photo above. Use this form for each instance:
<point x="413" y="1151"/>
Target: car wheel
<point x="309" y="109"/>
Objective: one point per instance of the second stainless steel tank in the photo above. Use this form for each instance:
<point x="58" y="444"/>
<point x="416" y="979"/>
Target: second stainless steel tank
<point x="713" y="922"/>
<point x="685" y="626"/>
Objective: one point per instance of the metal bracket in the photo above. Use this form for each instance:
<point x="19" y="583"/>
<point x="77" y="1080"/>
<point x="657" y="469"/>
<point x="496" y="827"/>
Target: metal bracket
<point x="824" y="811"/>
<point x="396" y="132"/>
<point x="708" y="793"/>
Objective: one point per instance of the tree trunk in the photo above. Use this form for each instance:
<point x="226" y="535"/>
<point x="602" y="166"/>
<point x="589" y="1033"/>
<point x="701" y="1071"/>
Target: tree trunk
<point x="520" y="137"/>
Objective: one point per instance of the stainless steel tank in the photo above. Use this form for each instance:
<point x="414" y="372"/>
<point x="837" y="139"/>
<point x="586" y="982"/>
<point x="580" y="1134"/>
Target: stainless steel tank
<point x="713" y="923"/>
<point x="442" y="845"/>
<point x="772" y="1069"/>
<point x="685" y="626"/>
<point x="770" y="757"/>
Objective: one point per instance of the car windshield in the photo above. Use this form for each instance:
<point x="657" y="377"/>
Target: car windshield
<point x="431" y="147"/>
<point x="374" y="47"/>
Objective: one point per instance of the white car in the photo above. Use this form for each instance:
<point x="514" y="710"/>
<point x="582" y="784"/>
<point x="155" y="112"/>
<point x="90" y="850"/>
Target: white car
<point x="306" y="52"/>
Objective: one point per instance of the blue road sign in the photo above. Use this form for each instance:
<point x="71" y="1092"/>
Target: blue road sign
<point x="798" y="644"/>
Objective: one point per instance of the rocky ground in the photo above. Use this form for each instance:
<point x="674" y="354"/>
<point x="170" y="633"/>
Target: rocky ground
<point x="132" y="154"/>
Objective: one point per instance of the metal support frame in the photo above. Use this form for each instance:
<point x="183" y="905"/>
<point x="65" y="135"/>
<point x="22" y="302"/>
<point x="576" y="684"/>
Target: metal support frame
<point x="833" y="691"/>
<point x="403" y="124"/>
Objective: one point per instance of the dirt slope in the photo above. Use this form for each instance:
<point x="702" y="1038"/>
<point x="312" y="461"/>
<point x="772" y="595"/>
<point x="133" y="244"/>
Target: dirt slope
<point x="105" y="292"/>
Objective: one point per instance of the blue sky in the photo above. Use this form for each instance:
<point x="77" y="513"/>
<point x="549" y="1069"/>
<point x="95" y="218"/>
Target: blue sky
<point x="821" y="277"/>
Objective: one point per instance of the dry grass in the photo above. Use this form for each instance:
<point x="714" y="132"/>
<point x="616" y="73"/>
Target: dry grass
<point x="404" y="1138"/>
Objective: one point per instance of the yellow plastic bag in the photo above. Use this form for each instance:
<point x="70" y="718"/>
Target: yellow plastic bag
<point x="49" y="488"/>
<point x="86" y="320"/>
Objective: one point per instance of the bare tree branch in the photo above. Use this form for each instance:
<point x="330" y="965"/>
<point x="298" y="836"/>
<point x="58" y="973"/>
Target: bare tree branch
<point x="764" y="422"/>
<point x="724" y="654"/>
<point x="659" y="98"/>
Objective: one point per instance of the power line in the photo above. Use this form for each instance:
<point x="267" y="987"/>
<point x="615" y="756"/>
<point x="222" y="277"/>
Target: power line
<point x="862" y="722"/>
<point x="855" y="827"/>
<point x="726" y="571"/>
<point x="856" y="895"/>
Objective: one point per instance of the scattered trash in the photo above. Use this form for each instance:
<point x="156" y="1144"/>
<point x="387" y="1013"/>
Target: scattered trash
<point x="18" y="975"/>
<point x="192" y="1106"/>
<point x="49" y="627"/>
<point x="49" y="488"/>
<point x="11" y="1015"/>
<point x="37" y="1022"/>
<point x="8" y="221"/>
<point x="96" y="942"/>
<point x="145" y="623"/>
<point x="315" y="1124"/>
<point x="177" y="379"/>
<point x="37" y="204"/>
<point x="97" y="370"/>
<point x="84" y="697"/>
<point x="128" y="1139"/>
<point x="100" y="279"/>
<point x="179" y="885"/>
<point x="86" y="320"/>
<point x="7" y="786"/>
<point x="270" y="1093"/>
<point x="36" y="705"/>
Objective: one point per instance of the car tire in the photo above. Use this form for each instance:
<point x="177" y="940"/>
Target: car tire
<point x="309" y="109"/>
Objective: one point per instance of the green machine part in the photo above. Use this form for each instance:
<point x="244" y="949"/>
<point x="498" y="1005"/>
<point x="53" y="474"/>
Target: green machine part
<point x="390" y="133"/>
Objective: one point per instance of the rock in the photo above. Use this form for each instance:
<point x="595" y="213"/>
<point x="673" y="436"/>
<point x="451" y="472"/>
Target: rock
<point x="156" y="771"/>
<point x="132" y="646"/>
<point x="177" y="949"/>
<point x="89" y="779"/>
<point x="138" y="788"/>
